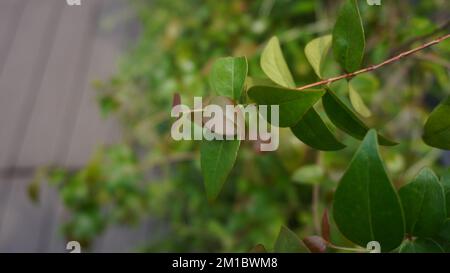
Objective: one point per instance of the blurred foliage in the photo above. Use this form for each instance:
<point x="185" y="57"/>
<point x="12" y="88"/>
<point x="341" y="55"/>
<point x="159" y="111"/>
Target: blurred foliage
<point x="150" y="175"/>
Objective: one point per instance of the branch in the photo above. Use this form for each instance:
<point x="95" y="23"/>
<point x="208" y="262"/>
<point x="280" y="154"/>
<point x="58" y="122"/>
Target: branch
<point x="374" y="67"/>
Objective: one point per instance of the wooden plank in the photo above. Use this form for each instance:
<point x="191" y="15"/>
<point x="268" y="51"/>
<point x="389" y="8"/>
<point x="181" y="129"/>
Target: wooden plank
<point x="79" y="23"/>
<point x="87" y="129"/>
<point x="52" y="239"/>
<point x="60" y="87"/>
<point x="10" y="16"/>
<point x="117" y="239"/>
<point x="90" y="128"/>
<point x="21" y="73"/>
<point x="122" y="239"/>
<point x="22" y="219"/>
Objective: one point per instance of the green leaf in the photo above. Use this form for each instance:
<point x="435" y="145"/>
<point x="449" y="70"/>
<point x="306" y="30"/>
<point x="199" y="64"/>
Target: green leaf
<point x="421" y="245"/>
<point x="423" y="205"/>
<point x="344" y="118"/>
<point x="293" y="104"/>
<point x="357" y="102"/>
<point x="366" y="206"/>
<point x="308" y="174"/>
<point x="252" y="81"/>
<point x="437" y="127"/>
<point x="217" y="160"/>
<point x="348" y="37"/>
<point x="444" y="233"/>
<point x="445" y="181"/>
<point x="228" y="76"/>
<point x="316" y="52"/>
<point x="312" y="131"/>
<point x="274" y="65"/>
<point x="288" y="242"/>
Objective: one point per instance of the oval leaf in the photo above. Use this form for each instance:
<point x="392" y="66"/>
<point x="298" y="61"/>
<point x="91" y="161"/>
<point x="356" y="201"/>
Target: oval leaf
<point x="366" y="206"/>
<point x="357" y="102"/>
<point x="274" y="65"/>
<point x="293" y="104"/>
<point x="316" y="52"/>
<point x="423" y="205"/>
<point x="228" y="76"/>
<point x="217" y="158"/>
<point x="288" y="242"/>
<point x="344" y="118"/>
<point x="313" y="131"/>
<point x="437" y="127"/>
<point x="348" y="37"/>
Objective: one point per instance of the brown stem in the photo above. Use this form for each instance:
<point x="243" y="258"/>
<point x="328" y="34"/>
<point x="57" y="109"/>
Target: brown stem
<point x="374" y="67"/>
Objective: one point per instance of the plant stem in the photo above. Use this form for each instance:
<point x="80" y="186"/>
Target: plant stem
<point x="374" y="67"/>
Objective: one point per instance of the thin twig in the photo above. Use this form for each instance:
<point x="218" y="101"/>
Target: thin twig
<point x="374" y="67"/>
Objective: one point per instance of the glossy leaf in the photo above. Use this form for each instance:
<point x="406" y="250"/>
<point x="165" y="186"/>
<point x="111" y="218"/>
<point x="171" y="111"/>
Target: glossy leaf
<point x="252" y="81"/>
<point x="274" y="65"/>
<point x="293" y="104"/>
<point x="228" y="76"/>
<point x="366" y="206"/>
<point x="217" y="160"/>
<point x="316" y="52"/>
<point x="288" y="242"/>
<point x="313" y="131"/>
<point x="437" y="127"/>
<point x="423" y="205"/>
<point x="357" y="102"/>
<point x="343" y="118"/>
<point x="348" y="37"/>
<point x="422" y="246"/>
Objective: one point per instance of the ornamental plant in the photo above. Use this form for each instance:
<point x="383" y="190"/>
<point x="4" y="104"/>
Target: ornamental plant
<point x="366" y="206"/>
<point x="309" y="195"/>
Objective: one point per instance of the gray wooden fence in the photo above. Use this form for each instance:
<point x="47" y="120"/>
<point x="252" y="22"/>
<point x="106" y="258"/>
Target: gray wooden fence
<point x="49" y="55"/>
